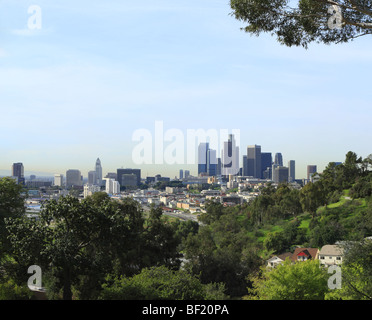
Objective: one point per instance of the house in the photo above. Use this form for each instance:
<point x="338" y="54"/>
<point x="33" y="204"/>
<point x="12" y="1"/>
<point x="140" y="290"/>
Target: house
<point x="331" y="255"/>
<point x="279" y="259"/>
<point x="303" y="254"/>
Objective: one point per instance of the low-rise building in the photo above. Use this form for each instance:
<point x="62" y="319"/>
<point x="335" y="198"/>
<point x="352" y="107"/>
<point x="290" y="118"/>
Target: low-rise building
<point x="278" y="259"/>
<point x="303" y="254"/>
<point x="331" y="255"/>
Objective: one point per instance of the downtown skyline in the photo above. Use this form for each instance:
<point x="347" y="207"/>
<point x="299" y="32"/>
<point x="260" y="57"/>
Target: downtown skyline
<point x="76" y="89"/>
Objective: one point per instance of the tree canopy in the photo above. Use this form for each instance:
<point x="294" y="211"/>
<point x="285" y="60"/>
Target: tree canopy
<point x="298" y="23"/>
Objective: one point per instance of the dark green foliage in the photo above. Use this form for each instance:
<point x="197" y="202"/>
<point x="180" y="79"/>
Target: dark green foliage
<point x="78" y="242"/>
<point x="306" y="21"/>
<point x="11" y="206"/>
<point x="160" y="283"/>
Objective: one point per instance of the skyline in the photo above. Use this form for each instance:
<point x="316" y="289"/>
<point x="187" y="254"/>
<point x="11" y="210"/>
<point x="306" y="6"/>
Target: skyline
<point x="76" y="89"/>
<point x="290" y="165"/>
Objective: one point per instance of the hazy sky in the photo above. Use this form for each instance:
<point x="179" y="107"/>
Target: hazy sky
<point x="97" y="71"/>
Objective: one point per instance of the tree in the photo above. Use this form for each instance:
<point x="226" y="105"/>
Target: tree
<point x="159" y="242"/>
<point x="311" y="197"/>
<point x="161" y="283"/>
<point x="291" y="281"/>
<point x="75" y="238"/>
<point x="214" y="210"/>
<point x="12" y="205"/>
<point x="321" y="21"/>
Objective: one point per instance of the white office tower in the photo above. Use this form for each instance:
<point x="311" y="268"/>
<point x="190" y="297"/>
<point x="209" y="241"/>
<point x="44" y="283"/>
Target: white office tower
<point x="112" y="186"/>
<point x="58" y="180"/>
<point x="98" y="172"/>
<point x="230" y="157"/>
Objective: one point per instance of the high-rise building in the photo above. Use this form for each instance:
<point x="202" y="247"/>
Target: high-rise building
<point x="280" y="174"/>
<point x="245" y="166"/>
<point x="92" y="178"/>
<point x="311" y="169"/>
<point x="278" y="159"/>
<point x="18" y="172"/>
<point x="202" y="157"/>
<point x="111" y="175"/>
<point x="112" y="186"/>
<point x="58" y="180"/>
<point x="219" y="167"/>
<point x="187" y="173"/>
<point x="181" y="174"/>
<point x="230" y="157"/>
<point x="98" y="172"/>
<point x="73" y="178"/>
<point x="266" y="163"/>
<point x="291" y="171"/>
<point x="121" y="172"/>
<point x="129" y="180"/>
<point x="207" y="160"/>
<point x="254" y="161"/>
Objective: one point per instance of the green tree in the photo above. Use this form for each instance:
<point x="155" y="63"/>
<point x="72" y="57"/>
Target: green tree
<point x="75" y="238"/>
<point x="9" y="290"/>
<point x="311" y="197"/>
<point x="161" y="283"/>
<point x="12" y="205"/>
<point x="307" y="21"/>
<point x="291" y="281"/>
<point x="222" y="252"/>
<point x="160" y="243"/>
<point x="214" y="210"/>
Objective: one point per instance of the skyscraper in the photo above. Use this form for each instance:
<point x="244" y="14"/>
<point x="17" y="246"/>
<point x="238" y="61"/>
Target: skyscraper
<point x="278" y="159"/>
<point x="280" y="174"/>
<point x="202" y="157"/>
<point x="266" y="163"/>
<point x="245" y="166"/>
<point x="73" y="178"/>
<point x="92" y="178"/>
<point x="230" y="157"/>
<point x="58" y="180"/>
<point x="207" y="160"/>
<point x="18" y="171"/>
<point x="254" y="161"/>
<point x="181" y="174"/>
<point x="292" y="170"/>
<point x="311" y="169"/>
<point x="112" y="186"/>
<point x="98" y="172"/>
<point x="121" y="172"/>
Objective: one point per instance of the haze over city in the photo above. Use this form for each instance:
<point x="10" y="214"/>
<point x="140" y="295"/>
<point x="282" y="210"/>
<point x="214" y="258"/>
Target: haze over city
<point x="78" y="87"/>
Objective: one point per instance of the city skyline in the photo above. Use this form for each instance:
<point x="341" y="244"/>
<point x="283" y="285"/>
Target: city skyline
<point x="77" y="88"/>
<point x="202" y="150"/>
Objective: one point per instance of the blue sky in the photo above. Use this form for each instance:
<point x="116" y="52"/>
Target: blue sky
<point x="97" y="71"/>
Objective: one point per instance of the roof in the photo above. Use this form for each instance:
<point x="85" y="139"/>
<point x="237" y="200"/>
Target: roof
<point x="331" y="250"/>
<point x="309" y="252"/>
<point x="281" y="257"/>
<point x="285" y="255"/>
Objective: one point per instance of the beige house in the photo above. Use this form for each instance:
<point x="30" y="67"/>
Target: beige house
<point x="331" y="255"/>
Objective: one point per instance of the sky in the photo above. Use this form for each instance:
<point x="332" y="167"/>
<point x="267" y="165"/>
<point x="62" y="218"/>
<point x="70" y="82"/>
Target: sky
<point x="79" y="78"/>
